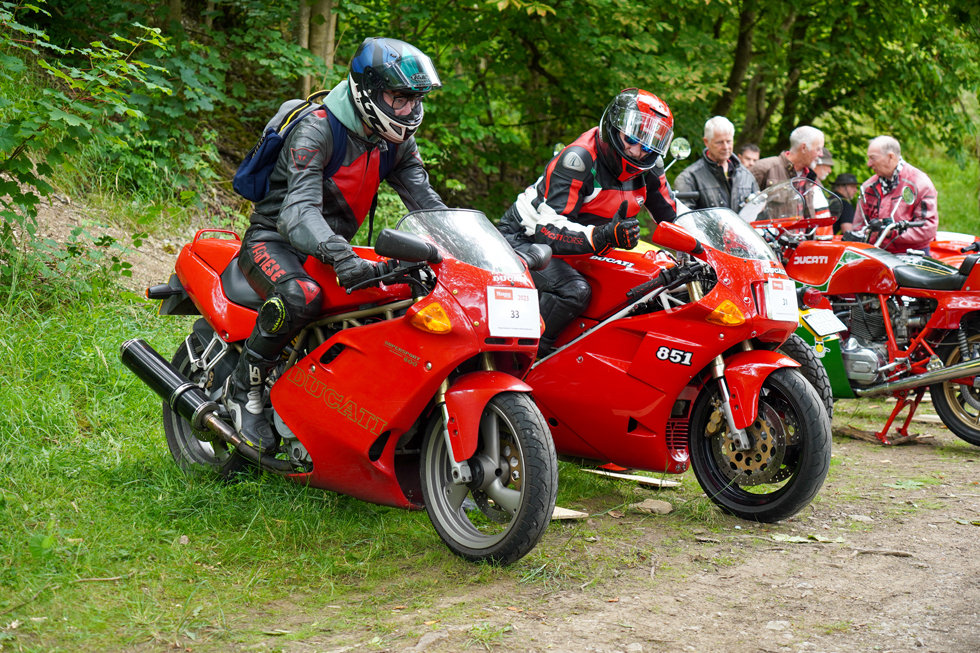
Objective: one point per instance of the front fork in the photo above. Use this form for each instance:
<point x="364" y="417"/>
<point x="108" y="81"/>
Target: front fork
<point x="739" y="437"/>
<point x="461" y="472"/>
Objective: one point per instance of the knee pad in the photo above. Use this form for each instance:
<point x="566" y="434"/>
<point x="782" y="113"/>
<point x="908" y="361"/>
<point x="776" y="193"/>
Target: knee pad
<point x="295" y="303"/>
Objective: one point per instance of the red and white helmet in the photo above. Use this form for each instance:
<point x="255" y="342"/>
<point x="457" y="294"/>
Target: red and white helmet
<point x="634" y="117"/>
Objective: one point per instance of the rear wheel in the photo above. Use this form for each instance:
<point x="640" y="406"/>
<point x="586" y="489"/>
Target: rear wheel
<point x="811" y="368"/>
<point x="790" y="453"/>
<point x="958" y="404"/>
<point x="515" y="481"/>
<point x="198" y="451"/>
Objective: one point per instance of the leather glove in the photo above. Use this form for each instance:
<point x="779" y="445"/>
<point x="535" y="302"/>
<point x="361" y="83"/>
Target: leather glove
<point x="619" y="232"/>
<point x="851" y="237"/>
<point x="351" y="269"/>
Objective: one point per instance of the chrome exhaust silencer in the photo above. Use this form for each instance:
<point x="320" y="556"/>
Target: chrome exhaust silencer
<point x="969" y="368"/>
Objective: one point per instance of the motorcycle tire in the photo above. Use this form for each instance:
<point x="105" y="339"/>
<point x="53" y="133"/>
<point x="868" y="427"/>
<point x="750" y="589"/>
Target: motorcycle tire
<point x="194" y="451"/>
<point x="789" y="460"/>
<point x="811" y="368"/>
<point x="958" y="405"/>
<point x="501" y="519"/>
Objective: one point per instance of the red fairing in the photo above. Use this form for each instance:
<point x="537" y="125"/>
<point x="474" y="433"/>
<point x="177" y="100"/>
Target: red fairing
<point x="465" y="402"/>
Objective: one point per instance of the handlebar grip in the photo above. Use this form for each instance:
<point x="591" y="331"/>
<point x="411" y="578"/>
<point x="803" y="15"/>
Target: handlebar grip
<point x="975" y="247"/>
<point x="687" y="195"/>
<point x="647" y="286"/>
<point x="916" y="223"/>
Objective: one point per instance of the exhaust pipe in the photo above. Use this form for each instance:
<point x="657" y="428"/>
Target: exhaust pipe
<point x="969" y="368"/>
<point x="189" y="401"/>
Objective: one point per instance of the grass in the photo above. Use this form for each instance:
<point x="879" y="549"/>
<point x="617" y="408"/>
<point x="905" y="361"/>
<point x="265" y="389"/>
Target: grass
<point x="956" y="189"/>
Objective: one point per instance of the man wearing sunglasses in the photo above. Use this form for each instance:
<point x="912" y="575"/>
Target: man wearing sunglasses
<point x="306" y="213"/>
<point x="588" y="199"/>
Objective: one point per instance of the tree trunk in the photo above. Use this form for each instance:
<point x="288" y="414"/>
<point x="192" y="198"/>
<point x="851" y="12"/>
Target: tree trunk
<point x="322" y="25"/>
<point x="209" y="19"/>
<point x="175" y="11"/>
<point x="791" y="95"/>
<point x="743" y="56"/>
<point x="303" y="41"/>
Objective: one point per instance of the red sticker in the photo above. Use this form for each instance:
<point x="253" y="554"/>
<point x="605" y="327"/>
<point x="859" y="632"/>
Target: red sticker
<point x="303" y="156"/>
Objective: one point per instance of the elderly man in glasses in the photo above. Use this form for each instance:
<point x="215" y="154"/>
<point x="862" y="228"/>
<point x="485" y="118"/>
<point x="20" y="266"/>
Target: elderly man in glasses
<point x="718" y="176"/>
<point x="588" y="199"/>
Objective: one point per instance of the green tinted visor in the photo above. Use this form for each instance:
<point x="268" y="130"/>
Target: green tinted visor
<point x="412" y="73"/>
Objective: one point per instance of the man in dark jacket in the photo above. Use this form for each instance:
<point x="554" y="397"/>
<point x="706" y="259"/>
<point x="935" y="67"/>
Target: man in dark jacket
<point x="587" y="200"/>
<point x="306" y="214"/>
<point x="846" y="186"/>
<point x="718" y="176"/>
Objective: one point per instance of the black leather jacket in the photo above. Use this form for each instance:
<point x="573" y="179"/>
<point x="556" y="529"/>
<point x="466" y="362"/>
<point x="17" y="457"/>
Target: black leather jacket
<point x="306" y="209"/>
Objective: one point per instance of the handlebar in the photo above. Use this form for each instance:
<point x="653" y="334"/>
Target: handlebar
<point x="687" y="195"/>
<point x="669" y="277"/>
<point x="390" y="271"/>
<point x="975" y="247"/>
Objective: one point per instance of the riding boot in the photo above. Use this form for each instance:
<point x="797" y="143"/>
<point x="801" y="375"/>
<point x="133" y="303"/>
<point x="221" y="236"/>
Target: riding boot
<point x="244" y="397"/>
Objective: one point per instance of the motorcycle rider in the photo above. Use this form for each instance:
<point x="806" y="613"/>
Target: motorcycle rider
<point x="305" y="214"/>
<point x="883" y="191"/>
<point x="588" y="198"/>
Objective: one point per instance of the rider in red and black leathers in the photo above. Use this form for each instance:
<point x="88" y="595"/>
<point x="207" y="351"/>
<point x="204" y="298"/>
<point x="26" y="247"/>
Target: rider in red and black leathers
<point x="587" y="200"/>
<point x="306" y="214"/>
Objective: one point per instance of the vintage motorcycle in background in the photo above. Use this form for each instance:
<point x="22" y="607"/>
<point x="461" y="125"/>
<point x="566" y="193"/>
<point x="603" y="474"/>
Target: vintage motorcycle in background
<point x="669" y="367"/>
<point x="405" y="395"/>
<point x="906" y="322"/>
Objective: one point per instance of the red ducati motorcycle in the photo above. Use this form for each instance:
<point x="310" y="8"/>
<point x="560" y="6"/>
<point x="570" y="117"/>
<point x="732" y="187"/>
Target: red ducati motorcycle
<point x="907" y="322"/>
<point x="405" y="395"/>
<point x="669" y="366"/>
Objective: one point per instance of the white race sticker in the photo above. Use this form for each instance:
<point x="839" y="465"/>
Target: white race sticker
<point x="513" y="312"/>
<point x="823" y="322"/>
<point x="781" y="300"/>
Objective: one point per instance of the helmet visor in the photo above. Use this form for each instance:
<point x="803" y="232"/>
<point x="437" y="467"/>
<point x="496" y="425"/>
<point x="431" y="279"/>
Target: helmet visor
<point x="652" y="132"/>
<point x="411" y="72"/>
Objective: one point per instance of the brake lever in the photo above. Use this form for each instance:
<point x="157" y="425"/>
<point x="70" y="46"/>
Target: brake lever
<point x="393" y="276"/>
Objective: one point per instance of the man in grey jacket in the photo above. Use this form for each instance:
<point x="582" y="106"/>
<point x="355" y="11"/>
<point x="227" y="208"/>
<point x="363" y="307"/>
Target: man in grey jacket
<point x="718" y="176"/>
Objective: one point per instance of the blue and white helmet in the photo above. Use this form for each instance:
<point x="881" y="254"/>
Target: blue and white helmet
<point x="388" y="65"/>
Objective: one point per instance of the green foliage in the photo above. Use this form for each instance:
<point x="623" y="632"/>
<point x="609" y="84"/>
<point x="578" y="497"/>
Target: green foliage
<point x="46" y="130"/>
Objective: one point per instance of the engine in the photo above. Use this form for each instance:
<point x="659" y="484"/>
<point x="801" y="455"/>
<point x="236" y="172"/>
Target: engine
<point x="865" y="349"/>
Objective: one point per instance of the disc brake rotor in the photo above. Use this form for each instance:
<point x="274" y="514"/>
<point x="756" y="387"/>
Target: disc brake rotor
<point x="484" y="502"/>
<point x="760" y="464"/>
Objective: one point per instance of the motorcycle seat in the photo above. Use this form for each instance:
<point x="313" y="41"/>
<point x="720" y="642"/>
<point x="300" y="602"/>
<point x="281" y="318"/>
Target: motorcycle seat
<point x="237" y="288"/>
<point x="910" y="276"/>
<point x="966" y="267"/>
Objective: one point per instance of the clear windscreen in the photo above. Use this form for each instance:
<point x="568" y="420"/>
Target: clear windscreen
<point x="464" y="235"/>
<point x="794" y="199"/>
<point x="723" y="230"/>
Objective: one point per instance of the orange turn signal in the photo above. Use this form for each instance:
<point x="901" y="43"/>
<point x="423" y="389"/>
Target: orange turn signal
<point x="432" y="318"/>
<point x="727" y="314"/>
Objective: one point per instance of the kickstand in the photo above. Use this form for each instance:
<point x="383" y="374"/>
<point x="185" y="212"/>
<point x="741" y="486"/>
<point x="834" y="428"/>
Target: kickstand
<point x="900" y="404"/>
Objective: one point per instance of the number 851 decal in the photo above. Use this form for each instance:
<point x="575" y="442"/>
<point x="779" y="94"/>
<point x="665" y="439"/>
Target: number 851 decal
<point x="678" y="356"/>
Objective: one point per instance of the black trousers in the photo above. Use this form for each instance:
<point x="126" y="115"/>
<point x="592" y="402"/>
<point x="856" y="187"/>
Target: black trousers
<point x="274" y="269"/>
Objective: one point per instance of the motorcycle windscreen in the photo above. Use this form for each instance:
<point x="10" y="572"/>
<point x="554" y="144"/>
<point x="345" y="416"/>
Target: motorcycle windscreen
<point x="466" y="236"/>
<point x="721" y="229"/>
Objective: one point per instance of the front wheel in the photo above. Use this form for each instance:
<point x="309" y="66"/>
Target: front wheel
<point x="790" y="453"/>
<point x="515" y="482"/>
<point x="958" y="404"/>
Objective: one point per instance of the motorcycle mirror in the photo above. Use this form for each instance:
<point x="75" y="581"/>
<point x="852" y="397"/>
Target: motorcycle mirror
<point x="673" y="237"/>
<point x="908" y="195"/>
<point x="404" y="246"/>
<point x="537" y="257"/>
<point x="680" y="148"/>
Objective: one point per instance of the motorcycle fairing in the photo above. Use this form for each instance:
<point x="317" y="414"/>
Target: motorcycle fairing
<point x="465" y="401"/>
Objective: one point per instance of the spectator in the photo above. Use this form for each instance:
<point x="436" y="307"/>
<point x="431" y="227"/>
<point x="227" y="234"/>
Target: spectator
<point x="846" y="186"/>
<point x="805" y="146"/>
<point x="718" y="176"/>
<point x="748" y="154"/>
<point x="824" y="165"/>
<point x="881" y="196"/>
